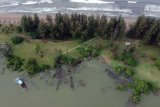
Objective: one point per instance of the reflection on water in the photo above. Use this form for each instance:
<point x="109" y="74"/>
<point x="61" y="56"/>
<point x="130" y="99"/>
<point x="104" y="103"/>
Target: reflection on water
<point x="98" y="91"/>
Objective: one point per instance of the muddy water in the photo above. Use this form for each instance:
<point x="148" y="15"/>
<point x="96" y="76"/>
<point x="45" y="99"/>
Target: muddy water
<point x="99" y="91"/>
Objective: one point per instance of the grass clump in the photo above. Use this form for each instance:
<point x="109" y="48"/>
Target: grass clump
<point x="17" y="40"/>
<point x="89" y="51"/>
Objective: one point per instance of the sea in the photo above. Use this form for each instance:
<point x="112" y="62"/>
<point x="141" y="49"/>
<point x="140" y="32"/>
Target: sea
<point x="131" y="8"/>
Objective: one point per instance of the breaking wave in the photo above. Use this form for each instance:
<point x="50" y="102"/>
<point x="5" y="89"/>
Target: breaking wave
<point x="46" y="1"/>
<point x="90" y="1"/>
<point x="13" y="4"/>
<point x="132" y="2"/>
<point x="102" y="9"/>
<point x="30" y="2"/>
<point x="153" y="8"/>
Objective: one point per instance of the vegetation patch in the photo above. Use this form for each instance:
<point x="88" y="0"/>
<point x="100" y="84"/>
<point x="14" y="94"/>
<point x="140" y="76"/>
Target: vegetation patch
<point x="14" y="62"/>
<point x="89" y="51"/>
<point x="157" y="63"/>
<point x="137" y="86"/>
<point x="17" y="39"/>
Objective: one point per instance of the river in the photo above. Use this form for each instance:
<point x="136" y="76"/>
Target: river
<point x="99" y="90"/>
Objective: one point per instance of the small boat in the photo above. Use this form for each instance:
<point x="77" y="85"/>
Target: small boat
<point x="21" y="83"/>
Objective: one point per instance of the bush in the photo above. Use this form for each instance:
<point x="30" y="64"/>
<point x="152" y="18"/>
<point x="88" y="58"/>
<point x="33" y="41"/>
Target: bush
<point x="135" y="99"/>
<point x="157" y="63"/>
<point x="128" y="59"/>
<point x="17" y="39"/>
<point x="16" y="63"/>
<point x="45" y="67"/>
<point x="19" y="29"/>
<point x="127" y="71"/>
<point x="89" y="51"/>
<point x="32" y="66"/>
<point x="65" y="59"/>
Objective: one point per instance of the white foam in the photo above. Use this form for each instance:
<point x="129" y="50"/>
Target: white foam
<point x="45" y="9"/>
<point x="153" y="8"/>
<point x="132" y="2"/>
<point x="90" y="1"/>
<point x="102" y="9"/>
<point x="46" y="1"/>
<point x="13" y="4"/>
<point x="30" y="2"/>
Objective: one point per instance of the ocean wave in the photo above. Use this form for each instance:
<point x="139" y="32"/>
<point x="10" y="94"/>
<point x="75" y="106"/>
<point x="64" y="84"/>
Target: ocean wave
<point x="90" y="1"/>
<point x="102" y="9"/>
<point x="30" y="2"/>
<point x="46" y="1"/>
<point x="13" y="4"/>
<point x="153" y="8"/>
<point x="132" y="2"/>
<point x="45" y="9"/>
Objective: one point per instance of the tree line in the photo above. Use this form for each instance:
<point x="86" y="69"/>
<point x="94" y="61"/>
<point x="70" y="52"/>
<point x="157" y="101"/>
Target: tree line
<point x="146" y="29"/>
<point x="65" y="26"/>
<point x="80" y="26"/>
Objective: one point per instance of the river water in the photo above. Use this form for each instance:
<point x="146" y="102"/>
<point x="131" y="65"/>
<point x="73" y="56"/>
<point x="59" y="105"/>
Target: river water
<point x="128" y="8"/>
<point x="99" y="90"/>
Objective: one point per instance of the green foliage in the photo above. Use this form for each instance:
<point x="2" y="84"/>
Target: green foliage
<point x="89" y="51"/>
<point x="19" y="29"/>
<point x="136" y="85"/>
<point x="45" y="67"/>
<point x="127" y="71"/>
<point x="157" y="63"/>
<point x="147" y="29"/>
<point x="141" y="87"/>
<point x="32" y="66"/>
<point x="135" y="99"/>
<point x="75" y="26"/>
<point x="16" y="63"/>
<point x="65" y="59"/>
<point x="17" y="39"/>
<point x="37" y="49"/>
<point x="128" y="58"/>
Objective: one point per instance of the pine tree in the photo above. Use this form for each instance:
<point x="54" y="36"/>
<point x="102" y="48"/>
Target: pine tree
<point x="42" y="29"/>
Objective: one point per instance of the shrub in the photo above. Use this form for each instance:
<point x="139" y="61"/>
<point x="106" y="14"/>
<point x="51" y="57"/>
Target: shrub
<point x="19" y="29"/>
<point x="124" y="70"/>
<point x="65" y="59"/>
<point x="89" y="51"/>
<point x="128" y="58"/>
<point x="119" y="70"/>
<point x="157" y="63"/>
<point x="32" y="66"/>
<point x="17" y="39"/>
<point x="45" y="67"/>
<point x="135" y="99"/>
<point x="16" y="63"/>
<point x="129" y="72"/>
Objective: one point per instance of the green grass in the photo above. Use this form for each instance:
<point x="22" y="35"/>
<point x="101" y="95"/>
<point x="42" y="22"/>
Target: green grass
<point x="49" y="49"/>
<point x="4" y="38"/>
<point x="145" y="54"/>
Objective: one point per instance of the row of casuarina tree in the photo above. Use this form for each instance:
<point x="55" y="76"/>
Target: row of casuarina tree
<point x="65" y="26"/>
<point x="80" y="26"/>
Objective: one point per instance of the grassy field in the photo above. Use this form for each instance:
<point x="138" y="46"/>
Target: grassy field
<point x="49" y="49"/>
<point x="145" y="54"/>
